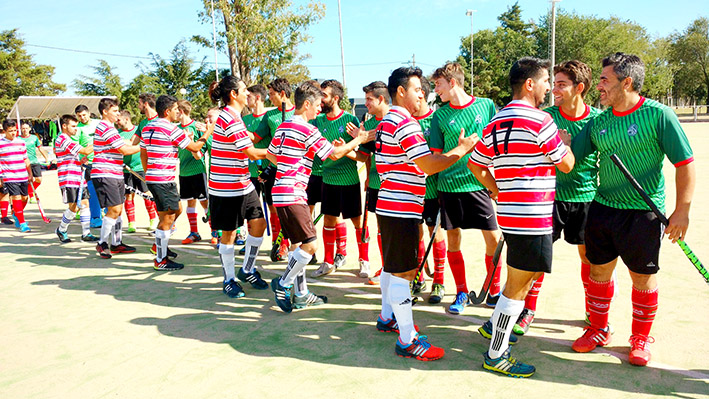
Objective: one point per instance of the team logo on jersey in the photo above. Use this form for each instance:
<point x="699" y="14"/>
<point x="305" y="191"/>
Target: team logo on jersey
<point x="452" y="122"/>
<point x="478" y="119"/>
<point x="602" y="132"/>
<point x="427" y="132"/>
<point x="632" y="130"/>
<point x="342" y="129"/>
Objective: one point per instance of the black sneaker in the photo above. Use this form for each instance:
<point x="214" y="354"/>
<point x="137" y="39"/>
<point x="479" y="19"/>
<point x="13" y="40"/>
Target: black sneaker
<point x="122" y="249"/>
<point x="308" y="299"/>
<point x="486" y="331"/>
<point x="167" y="265"/>
<point x="63" y="237"/>
<point x="491" y="301"/>
<point x="283" y="295"/>
<point x="313" y="260"/>
<point x="102" y="249"/>
<point x="89" y="238"/>
<point x="6" y="220"/>
<point x="232" y="289"/>
<point x="252" y="278"/>
<point x="170" y="253"/>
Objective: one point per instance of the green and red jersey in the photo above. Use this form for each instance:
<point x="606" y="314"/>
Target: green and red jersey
<point x="133" y="161"/>
<point x="445" y="131"/>
<point x="368" y="148"/>
<point x="267" y="128"/>
<point x="342" y="172"/>
<point x="85" y="136"/>
<point x="252" y="121"/>
<point x="31" y="142"/>
<point x="641" y="137"/>
<point x="189" y="166"/>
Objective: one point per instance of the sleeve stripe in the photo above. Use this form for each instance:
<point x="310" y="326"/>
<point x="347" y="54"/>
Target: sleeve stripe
<point x="685" y="162"/>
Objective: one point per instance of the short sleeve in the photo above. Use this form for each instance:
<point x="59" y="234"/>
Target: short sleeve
<point x="673" y="140"/>
<point x="411" y="140"/>
<point x="436" y="134"/>
<point x="549" y="141"/>
<point x="178" y="137"/>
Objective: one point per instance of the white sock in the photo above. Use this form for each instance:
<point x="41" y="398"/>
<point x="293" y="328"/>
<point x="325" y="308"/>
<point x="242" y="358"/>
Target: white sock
<point x="226" y="253"/>
<point x="106" y="229"/>
<point x="252" y="246"/>
<point x="296" y="263"/>
<point x="301" y="286"/>
<point x="387" y="311"/>
<point x="118" y="231"/>
<point x="85" y="218"/>
<point x="67" y="217"/>
<point x="162" y="237"/>
<point x="503" y="319"/>
<point x="400" y="300"/>
<point x="191" y="209"/>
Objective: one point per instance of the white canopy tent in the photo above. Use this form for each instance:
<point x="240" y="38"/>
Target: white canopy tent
<point x="38" y="107"/>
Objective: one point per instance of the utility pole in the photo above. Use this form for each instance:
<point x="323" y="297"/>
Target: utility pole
<point x="342" y="46"/>
<point x="470" y="14"/>
<point x="214" y="36"/>
<point x="413" y="62"/>
<point x="553" y="48"/>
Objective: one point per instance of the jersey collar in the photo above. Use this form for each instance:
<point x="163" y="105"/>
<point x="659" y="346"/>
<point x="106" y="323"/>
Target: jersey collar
<point x="472" y="100"/>
<point x="631" y="110"/>
<point x="418" y="118"/>
<point x="583" y="116"/>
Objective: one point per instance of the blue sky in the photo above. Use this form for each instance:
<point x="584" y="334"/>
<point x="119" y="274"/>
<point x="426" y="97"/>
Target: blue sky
<point x="383" y="34"/>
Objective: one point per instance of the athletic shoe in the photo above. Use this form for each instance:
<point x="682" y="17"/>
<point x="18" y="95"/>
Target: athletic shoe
<point x="507" y="365"/>
<point x="491" y="301"/>
<point x="33" y="200"/>
<point x="122" y="249"/>
<point x="24" y="228"/>
<point x="390" y="326"/>
<point x="192" y="238"/>
<point x="419" y="349"/>
<point x="275" y="253"/>
<point x="167" y="265"/>
<point x="437" y="293"/>
<point x="461" y="299"/>
<point x="363" y="268"/>
<point x="639" y="349"/>
<point x="153" y="224"/>
<point x="240" y="238"/>
<point x="102" y="249"/>
<point x="131" y="227"/>
<point x="587" y="319"/>
<point x="17" y="221"/>
<point x="417" y="287"/>
<point x="96" y="223"/>
<point x="170" y="253"/>
<point x="242" y="251"/>
<point x="283" y="251"/>
<point x="523" y="322"/>
<point x="486" y="331"/>
<point x="339" y="261"/>
<point x="309" y="299"/>
<point x="283" y="295"/>
<point x="63" y="236"/>
<point x="77" y="216"/>
<point x="592" y="338"/>
<point x="324" y="269"/>
<point x="313" y="260"/>
<point x="89" y="238"/>
<point x="374" y="280"/>
<point x="215" y="238"/>
<point x="233" y="289"/>
<point x="6" y="220"/>
<point x="252" y="278"/>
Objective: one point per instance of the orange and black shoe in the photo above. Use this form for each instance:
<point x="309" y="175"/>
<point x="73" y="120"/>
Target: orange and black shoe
<point x="103" y="251"/>
<point x="419" y="349"/>
<point x="122" y="249"/>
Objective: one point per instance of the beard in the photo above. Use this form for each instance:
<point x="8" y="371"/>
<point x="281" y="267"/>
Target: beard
<point x="327" y="107"/>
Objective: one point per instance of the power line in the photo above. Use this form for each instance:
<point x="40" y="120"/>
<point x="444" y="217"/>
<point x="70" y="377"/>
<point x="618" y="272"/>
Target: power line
<point x="88" y="52"/>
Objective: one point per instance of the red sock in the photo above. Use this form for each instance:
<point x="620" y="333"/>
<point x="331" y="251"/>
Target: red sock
<point x="192" y="217"/>
<point x="362" y="247"/>
<point x="30" y="191"/>
<point x="495" y="287"/>
<point x="599" y="302"/>
<point x="644" y="310"/>
<point x="17" y="208"/>
<point x="130" y="210"/>
<point x="36" y="185"/>
<point x="152" y="210"/>
<point x="4" y="208"/>
<point x="530" y="302"/>
<point x="457" y="264"/>
<point x="341" y="237"/>
<point x="328" y="238"/>
<point x="439" y="261"/>
<point x="585" y="273"/>
<point x="419" y="257"/>
<point x="379" y="242"/>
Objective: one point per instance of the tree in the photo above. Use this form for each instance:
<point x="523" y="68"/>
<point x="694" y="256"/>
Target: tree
<point x="512" y="19"/>
<point x="690" y="52"/>
<point x="19" y="75"/>
<point x="262" y="37"/>
<point x="104" y="83"/>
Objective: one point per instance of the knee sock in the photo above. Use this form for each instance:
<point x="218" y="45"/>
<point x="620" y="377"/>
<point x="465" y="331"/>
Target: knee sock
<point x="644" y="310"/>
<point x="400" y="300"/>
<point x="130" y="210"/>
<point x="599" y="302"/>
<point x="328" y="237"/>
<point x="379" y="242"/>
<point x="495" y="286"/>
<point x="18" y="209"/>
<point x="296" y="264"/>
<point x="341" y="237"/>
<point x="421" y="252"/>
<point x="30" y="190"/>
<point x="106" y="229"/>
<point x="300" y="288"/>
<point x="152" y="210"/>
<point x="85" y="219"/>
<point x="457" y="264"/>
<point x="530" y="302"/>
<point x="226" y="254"/>
<point x="67" y="217"/>
<point x="439" y="261"/>
<point x="4" y="208"/>
<point x="387" y="312"/>
<point x="585" y="273"/>
<point x="252" y="246"/>
<point x="192" y="217"/>
<point x="503" y="319"/>
<point x="275" y="226"/>
<point x="118" y="231"/>
<point x="161" y="239"/>
<point x="362" y="247"/>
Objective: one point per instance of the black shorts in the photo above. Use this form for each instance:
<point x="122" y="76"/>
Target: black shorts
<point x="314" y="190"/>
<point x="634" y="235"/>
<point x="267" y="188"/>
<point x="529" y="253"/>
<point x="257" y="185"/>
<point x="297" y="223"/>
<point x="70" y="194"/>
<point x="133" y="181"/>
<point x="109" y="191"/>
<point x="570" y="217"/>
<point x="373" y="197"/>
<point x="165" y="196"/>
<point x="36" y="170"/>
<point x="467" y="210"/>
<point x="193" y="187"/>
<point x="228" y="213"/>
<point x="342" y="200"/>
<point x="430" y="211"/>
<point x="15" y="188"/>
<point x="400" y="243"/>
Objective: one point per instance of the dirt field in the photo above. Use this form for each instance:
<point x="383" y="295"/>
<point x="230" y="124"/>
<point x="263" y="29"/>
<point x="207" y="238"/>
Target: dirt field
<point x="77" y="326"/>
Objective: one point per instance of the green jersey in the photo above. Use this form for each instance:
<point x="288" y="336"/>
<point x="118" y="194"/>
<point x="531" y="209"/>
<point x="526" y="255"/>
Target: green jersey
<point x="133" y="161"/>
<point x="342" y="172"/>
<point x="251" y="121"/>
<point x="32" y="142"/>
<point x="188" y="165"/>
<point x="85" y="135"/>
<point x="581" y="183"/>
<point x="641" y="137"/>
<point x="316" y="170"/>
<point x="143" y="123"/>
<point x="374" y="181"/>
<point x="431" y="181"/>
<point x="267" y="128"/>
<point x="445" y="131"/>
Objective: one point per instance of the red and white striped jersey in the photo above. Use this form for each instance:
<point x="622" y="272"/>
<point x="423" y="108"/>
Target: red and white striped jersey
<point x="161" y="139"/>
<point x="398" y="143"/>
<point x="523" y="145"/>
<point x="68" y="164"/>
<point x="229" y="169"/>
<point x="108" y="162"/>
<point x="12" y="161"/>
<point x="294" y="145"/>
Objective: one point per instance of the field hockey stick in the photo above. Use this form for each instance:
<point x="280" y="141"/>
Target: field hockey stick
<point x="39" y="204"/>
<point x="317" y="219"/>
<point x="138" y="193"/>
<point x="428" y="251"/>
<point x="265" y="214"/>
<point x="365" y="236"/>
<point x="206" y="217"/>
<point x="478" y="299"/>
<point x="663" y="219"/>
<point x="134" y="173"/>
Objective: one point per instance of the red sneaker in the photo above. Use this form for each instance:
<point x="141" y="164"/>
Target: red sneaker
<point x="639" y="350"/>
<point x="590" y="339"/>
<point x="374" y="280"/>
<point x="419" y="349"/>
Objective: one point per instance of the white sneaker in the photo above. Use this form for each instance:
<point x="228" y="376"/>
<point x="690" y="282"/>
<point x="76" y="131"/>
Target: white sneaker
<point x="324" y="269"/>
<point x="363" y="268"/>
<point x="339" y="261"/>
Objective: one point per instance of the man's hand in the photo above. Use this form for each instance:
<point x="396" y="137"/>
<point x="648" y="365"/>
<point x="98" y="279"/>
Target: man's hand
<point x="352" y="129"/>
<point x="565" y="137"/>
<point x="338" y="142"/>
<point x="202" y="127"/>
<point x="355" y="131"/>
<point x="679" y="223"/>
<point x="467" y="142"/>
